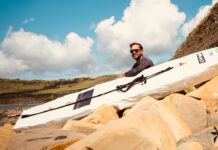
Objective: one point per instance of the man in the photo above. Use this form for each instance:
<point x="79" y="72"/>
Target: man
<point x="142" y="62"/>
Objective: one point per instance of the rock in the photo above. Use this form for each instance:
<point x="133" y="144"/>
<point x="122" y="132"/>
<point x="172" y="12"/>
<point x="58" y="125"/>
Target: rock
<point x="5" y="132"/>
<point x="93" y="121"/>
<point x="125" y="112"/>
<point x="81" y="126"/>
<point x="142" y="129"/>
<point x="205" y="91"/>
<point x="52" y="124"/>
<point x="212" y="111"/>
<point x="212" y="119"/>
<point x="190" y="145"/>
<point x="190" y="89"/>
<point x="168" y="113"/>
<point x="205" y="137"/>
<point x="212" y="105"/>
<point x="216" y="145"/>
<point x="102" y="115"/>
<point x="42" y="138"/>
<point x="192" y="111"/>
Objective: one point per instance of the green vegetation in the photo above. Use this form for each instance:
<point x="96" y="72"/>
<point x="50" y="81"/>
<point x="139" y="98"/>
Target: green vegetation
<point x="38" y="91"/>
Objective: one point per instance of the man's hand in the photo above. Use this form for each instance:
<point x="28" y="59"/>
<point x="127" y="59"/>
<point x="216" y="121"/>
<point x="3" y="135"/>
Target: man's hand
<point x="121" y="75"/>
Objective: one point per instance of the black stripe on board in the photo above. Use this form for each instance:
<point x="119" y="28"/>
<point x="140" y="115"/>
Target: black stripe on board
<point x="82" y="96"/>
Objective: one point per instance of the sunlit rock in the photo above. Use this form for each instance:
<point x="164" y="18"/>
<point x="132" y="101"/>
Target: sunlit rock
<point x="190" y="145"/>
<point x="168" y="113"/>
<point x="192" y="111"/>
<point x="141" y="129"/>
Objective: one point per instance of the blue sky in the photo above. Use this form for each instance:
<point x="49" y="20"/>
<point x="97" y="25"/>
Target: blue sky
<point x="56" y="39"/>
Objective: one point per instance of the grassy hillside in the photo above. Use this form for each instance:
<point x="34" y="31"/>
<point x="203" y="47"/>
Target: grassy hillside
<point x="39" y="91"/>
<point x="204" y="36"/>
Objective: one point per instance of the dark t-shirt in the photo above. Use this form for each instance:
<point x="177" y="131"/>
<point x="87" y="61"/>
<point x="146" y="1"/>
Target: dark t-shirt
<point x="137" y="68"/>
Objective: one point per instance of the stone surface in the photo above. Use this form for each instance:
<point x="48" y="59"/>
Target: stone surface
<point x="190" y="145"/>
<point x="212" y="119"/>
<point x="192" y="111"/>
<point x="125" y="112"/>
<point x="42" y="138"/>
<point x="168" y="113"/>
<point x="102" y="115"/>
<point x="142" y="129"/>
<point x="212" y="111"/>
<point x="215" y="147"/>
<point x="205" y="138"/>
<point x="94" y="121"/>
<point x="205" y="91"/>
<point x="190" y="89"/>
<point x="81" y="126"/>
<point x="212" y="105"/>
<point x="5" y="132"/>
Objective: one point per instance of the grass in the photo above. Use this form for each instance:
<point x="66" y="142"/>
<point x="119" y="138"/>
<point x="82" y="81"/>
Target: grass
<point x="10" y="90"/>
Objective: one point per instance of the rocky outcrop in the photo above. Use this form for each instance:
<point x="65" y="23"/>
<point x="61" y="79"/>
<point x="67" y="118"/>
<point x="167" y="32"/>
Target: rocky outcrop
<point x="141" y="129"/>
<point x="176" y="122"/>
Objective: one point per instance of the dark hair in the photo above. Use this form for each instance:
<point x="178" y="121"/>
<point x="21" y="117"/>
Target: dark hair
<point x="140" y="46"/>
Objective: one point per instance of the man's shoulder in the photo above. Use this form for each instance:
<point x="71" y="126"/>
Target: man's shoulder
<point x="147" y="60"/>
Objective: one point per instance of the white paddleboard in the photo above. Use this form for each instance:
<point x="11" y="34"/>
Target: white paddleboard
<point x="186" y="71"/>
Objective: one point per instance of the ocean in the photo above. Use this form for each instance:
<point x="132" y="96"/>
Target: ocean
<point x="15" y="106"/>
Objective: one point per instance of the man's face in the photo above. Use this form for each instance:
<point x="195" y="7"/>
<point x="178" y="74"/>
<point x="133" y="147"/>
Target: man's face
<point x="136" y="52"/>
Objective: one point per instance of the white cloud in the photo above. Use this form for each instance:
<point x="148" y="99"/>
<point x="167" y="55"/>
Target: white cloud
<point x="92" y="26"/>
<point x="28" y="20"/>
<point x="153" y="23"/>
<point x="25" y="21"/>
<point x="32" y="19"/>
<point x="26" y="51"/>
<point x="190" y="25"/>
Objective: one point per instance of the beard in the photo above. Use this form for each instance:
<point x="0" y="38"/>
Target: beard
<point x="137" y="57"/>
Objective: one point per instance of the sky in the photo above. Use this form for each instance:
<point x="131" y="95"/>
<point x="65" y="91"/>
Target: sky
<point x="63" y="39"/>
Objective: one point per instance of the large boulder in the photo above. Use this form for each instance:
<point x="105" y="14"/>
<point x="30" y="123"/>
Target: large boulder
<point x="212" y="111"/>
<point x="94" y="121"/>
<point x="190" y="145"/>
<point x="168" y="113"/>
<point x="81" y="126"/>
<point x="192" y="111"/>
<point x="42" y="138"/>
<point x="102" y="115"/>
<point x="206" y="91"/>
<point x="212" y="105"/>
<point x="142" y="129"/>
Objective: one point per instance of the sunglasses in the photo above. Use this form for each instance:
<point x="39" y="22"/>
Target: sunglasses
<point x="134" y="50"/>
